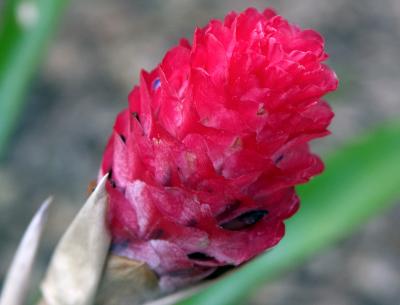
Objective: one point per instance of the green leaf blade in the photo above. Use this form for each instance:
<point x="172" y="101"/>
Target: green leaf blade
<point x="21" y="51"/>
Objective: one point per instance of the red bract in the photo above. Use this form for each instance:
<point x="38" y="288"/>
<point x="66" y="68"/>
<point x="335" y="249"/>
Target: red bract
<point x="203" y="163"/>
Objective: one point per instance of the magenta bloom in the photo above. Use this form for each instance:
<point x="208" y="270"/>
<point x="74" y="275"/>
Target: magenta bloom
<point x="204" y="161"/>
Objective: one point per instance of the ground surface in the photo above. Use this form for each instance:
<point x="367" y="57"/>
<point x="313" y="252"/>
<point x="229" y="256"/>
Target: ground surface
<point x="95" y="60"/>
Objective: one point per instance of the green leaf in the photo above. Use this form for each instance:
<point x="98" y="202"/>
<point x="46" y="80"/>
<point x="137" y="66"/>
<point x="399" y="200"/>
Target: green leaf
<point x="25" y="30"/>
<point x="360" y="181"/>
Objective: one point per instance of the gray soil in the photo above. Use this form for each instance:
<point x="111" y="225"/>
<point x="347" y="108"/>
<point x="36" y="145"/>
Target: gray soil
<point x="95" y="60"/>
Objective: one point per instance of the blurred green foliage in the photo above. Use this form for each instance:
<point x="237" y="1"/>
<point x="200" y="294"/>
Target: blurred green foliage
<point x="361" y="179"/>
<point x="26" y="27"/>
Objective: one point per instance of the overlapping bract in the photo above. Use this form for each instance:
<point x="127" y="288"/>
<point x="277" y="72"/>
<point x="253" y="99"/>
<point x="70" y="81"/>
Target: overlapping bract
<point x="204" y="161"/>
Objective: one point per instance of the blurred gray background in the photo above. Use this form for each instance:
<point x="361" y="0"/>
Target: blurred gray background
<point x="95" y="60"/>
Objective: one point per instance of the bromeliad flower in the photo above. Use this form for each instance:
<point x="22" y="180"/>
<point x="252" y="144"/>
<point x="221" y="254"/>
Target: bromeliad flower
<point x="203" y="163"/>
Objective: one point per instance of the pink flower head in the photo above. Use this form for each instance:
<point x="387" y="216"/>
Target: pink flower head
<point x="203" y="163"/>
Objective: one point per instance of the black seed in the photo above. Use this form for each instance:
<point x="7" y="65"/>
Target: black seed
<point x="136" y="116"/>
<point x="113" y="184"/>
<point x="122" y="138"/>
<point x="219" y="271"/>
<point x="199" y="256"/>
<point x="279" y="159"/>
<point x="244" y="221"/>
<point x="192" y="223"/>
<point x="157" y="234"/>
